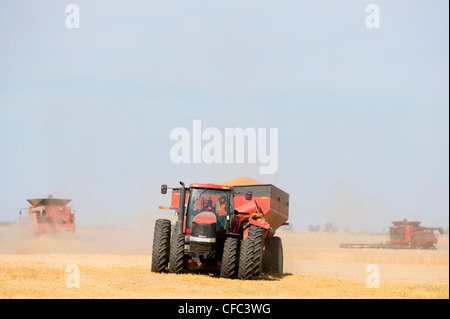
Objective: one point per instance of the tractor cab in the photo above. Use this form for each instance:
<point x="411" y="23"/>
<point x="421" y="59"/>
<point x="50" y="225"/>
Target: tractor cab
<point x="208" y="216"/>
<point x="213" y="201"/>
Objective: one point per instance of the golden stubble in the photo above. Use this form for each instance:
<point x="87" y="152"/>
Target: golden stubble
<point x="315" y="267"/>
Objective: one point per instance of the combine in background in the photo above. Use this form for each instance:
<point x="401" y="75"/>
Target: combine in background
<point x="405" y="235"/>
<point x="50" y="215"/>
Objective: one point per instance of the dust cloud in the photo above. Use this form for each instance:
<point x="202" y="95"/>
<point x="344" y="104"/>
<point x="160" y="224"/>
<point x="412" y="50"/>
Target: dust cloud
<point x="19" y="239"/>
<point x="352" y="207"/>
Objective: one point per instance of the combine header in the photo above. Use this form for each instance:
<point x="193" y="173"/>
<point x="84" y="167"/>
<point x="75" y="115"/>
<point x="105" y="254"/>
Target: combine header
<point x="222" y="227"/>
<point x="50" y="215"/>
<point x="405" y="235"/>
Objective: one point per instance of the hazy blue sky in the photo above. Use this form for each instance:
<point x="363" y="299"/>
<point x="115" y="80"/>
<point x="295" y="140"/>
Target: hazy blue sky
<point x="362" y="113"/>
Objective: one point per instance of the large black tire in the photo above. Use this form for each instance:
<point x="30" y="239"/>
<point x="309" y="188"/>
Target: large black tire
<point x="246" y="260"/>
<point x="176" y="258"/>
<point x="273" y="256"/>
<point x="250" y="254"/>
<point x="257" y="237"/>
<point x="161" y="245"/>
<point x="230" y="258"/>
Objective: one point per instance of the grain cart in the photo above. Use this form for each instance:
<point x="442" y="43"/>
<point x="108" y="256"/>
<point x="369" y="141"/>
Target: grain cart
<point x="222" y="228"/>
<point x="51" y="215"/>
<point x="405" y="235"/>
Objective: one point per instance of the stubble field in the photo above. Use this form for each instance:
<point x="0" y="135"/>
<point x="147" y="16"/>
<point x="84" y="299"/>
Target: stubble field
<point x="115" y="263"/>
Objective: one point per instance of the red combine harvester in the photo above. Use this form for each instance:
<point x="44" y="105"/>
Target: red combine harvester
<point x="405" y="235"/>
<point x="51" y="215"/>
<point x="222" y="228"/>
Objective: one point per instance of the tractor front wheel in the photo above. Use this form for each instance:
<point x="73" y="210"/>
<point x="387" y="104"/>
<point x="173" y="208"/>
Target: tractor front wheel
<point x="229" y="258"/>
<point x="250" y="254"/>
<point x="257" y="236"/>
<point x="176" y="258"/>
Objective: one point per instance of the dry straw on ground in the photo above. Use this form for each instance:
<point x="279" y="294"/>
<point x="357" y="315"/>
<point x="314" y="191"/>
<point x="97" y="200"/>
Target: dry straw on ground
<point x="116" y="264"/>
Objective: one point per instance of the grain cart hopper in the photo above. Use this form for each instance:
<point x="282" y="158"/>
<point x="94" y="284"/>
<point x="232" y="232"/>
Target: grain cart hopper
<point x="405" y="235"/>
<point x="223" y="228"/>
<point x="51" y="215"/>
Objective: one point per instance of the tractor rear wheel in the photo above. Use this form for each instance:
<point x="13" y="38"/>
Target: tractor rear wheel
<point x="176" y="258"/>
<point x="229" y="258"/>
<point x="273" y="256"/>
<point x="161" y="245"/>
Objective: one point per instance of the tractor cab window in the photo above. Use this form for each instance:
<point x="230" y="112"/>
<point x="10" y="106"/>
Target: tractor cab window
<point x="208" y="200"/>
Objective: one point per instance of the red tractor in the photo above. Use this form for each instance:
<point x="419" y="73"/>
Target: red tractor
<point x="222" y="228"/>
<point x="51" y="215"/>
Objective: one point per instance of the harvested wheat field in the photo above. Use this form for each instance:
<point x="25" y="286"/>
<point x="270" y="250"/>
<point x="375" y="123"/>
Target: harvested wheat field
<point x="115" y="263"/>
